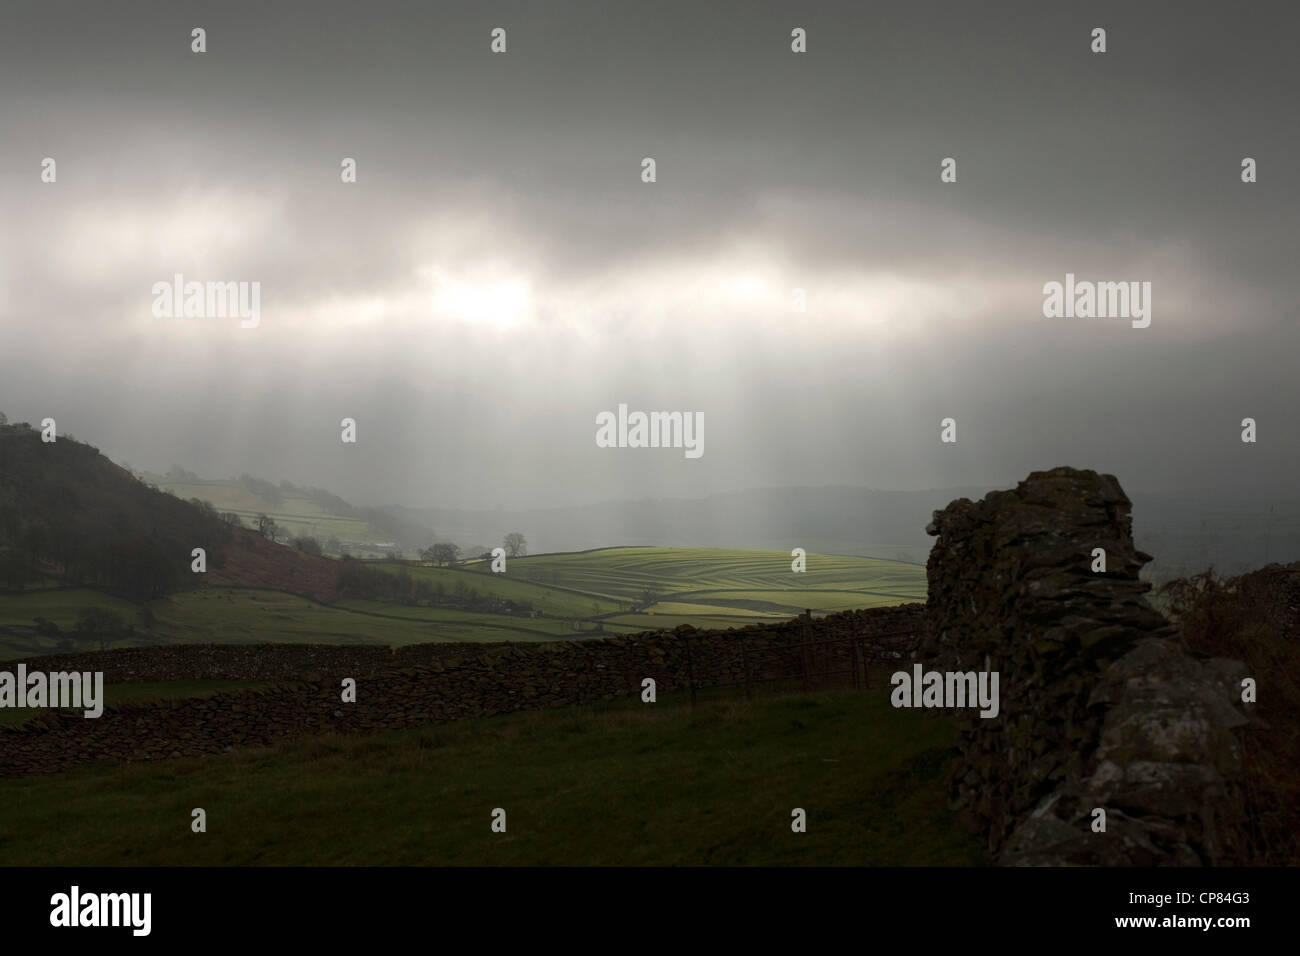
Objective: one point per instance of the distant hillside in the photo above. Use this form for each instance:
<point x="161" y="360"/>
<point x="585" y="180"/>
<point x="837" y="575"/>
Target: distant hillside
<point x="852" y="521"/>
<point x="70" y="516"/>
<point x="1186" y="533"/>
<point x="298" y="511"/>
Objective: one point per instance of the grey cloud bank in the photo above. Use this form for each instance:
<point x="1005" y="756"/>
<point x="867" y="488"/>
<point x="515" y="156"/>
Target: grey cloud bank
<point x="499" y="272"/>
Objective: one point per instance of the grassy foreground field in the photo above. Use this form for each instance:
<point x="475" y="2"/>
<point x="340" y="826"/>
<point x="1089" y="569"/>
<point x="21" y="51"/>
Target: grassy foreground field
<point x="618" y="590"/>
<point x="625" y="783"/>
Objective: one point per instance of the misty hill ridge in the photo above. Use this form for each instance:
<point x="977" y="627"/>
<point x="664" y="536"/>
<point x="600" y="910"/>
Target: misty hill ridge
<point x="69" y="515"/>
<point x="300" y="511"/>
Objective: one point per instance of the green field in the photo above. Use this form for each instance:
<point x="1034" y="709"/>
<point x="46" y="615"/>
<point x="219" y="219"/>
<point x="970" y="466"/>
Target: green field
<point x="579" y="593"/>
<point x="553" y="599"/>
<point x="58" y="605"/>
<point x="690" y="574"/>
<point x="621" y="783"/>
<point x="251" y="616"/>
<point x="18" y="613"/>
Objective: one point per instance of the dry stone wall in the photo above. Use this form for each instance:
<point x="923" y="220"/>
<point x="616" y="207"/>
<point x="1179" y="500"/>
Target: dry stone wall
<point x="1102" y="706"/>
<point x="407" y="687"/>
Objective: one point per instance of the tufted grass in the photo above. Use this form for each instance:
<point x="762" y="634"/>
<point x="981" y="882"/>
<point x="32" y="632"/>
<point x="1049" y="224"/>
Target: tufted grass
<point x="615" y="784"/>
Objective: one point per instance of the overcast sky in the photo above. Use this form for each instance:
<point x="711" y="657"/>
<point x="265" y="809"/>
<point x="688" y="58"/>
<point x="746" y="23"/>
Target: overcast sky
<point x="499" y="273"/>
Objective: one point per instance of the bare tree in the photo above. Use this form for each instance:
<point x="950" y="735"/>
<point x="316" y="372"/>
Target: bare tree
<point x="266" y="527"/>
<point x="515" y="544"/>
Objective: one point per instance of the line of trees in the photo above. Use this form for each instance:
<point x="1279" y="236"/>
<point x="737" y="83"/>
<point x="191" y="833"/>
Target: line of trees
<point x="95" y="625"/>
<point x="448" y="554"/>
<point x="360" y="579"/>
